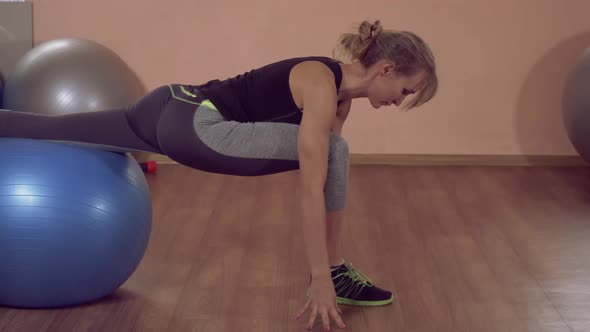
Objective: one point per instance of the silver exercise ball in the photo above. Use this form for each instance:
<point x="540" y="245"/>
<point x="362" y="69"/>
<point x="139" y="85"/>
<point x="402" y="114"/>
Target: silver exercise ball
<point x="70" y="75"/>
<point x="1" y="89"/>
<point x="576" y="105"/>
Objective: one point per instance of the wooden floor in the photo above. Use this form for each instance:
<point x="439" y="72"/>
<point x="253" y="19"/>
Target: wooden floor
<point x="469" y="249"/>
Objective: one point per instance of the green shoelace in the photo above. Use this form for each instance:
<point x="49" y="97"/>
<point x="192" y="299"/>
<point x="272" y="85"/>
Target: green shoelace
<point x="352" y="281"/>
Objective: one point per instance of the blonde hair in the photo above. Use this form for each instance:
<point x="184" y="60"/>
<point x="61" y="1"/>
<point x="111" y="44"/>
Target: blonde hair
<point x="407" y="50"/>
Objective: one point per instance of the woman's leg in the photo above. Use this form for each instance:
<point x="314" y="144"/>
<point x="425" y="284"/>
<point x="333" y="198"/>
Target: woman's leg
<point x="262" y="148"/>
<point x="117" y="130"/>
<point x="175" y="120"/>
<point x="259" y="148"/>
<point x="334" y="236"/>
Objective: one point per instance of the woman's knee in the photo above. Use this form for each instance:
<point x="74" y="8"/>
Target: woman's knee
<point x="339" y="150"/>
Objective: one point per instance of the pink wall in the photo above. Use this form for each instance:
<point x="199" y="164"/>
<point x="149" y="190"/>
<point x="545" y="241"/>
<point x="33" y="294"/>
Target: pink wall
<point x="501" y="63"/>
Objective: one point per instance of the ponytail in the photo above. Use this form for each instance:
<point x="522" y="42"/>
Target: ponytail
<point x="353" y="46"/>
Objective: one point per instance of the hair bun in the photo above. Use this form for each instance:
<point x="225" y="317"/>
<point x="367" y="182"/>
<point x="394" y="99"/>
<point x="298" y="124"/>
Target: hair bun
<point x="369" y="30"/>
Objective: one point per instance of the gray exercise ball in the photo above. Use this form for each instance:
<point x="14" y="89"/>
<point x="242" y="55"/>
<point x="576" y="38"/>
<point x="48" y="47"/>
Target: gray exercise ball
<point x="1" y="88"/>
<point x="70" y="75"/>
<point x="576" y="105"/>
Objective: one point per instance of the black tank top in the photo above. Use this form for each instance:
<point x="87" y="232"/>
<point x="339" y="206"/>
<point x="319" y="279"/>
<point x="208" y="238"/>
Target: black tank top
<point x="262" y="94"/>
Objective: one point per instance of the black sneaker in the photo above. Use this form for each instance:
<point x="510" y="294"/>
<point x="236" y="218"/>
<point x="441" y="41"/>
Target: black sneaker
<point x="355" y="288"/>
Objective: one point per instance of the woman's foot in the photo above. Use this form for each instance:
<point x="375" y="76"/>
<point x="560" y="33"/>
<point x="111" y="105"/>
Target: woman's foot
<point x="355" y="288"/>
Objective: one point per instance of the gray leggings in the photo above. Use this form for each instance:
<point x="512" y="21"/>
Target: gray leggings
<point x="269" y="140"/>
<point x="179" y="122"/>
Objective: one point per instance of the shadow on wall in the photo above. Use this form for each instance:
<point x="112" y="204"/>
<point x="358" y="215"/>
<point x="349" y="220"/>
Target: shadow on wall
<point x="539" y="119"/>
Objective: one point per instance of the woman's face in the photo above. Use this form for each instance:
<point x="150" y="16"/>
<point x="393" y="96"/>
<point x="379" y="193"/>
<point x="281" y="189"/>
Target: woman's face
<point x="390" y="87"/>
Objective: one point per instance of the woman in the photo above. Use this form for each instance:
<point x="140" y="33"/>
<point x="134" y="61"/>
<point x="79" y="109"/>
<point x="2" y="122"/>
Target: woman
<point x="284" y="116"/>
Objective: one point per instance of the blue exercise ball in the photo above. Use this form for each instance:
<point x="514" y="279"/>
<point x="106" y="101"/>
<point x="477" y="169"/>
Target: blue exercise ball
<point x="74" y="222"/>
